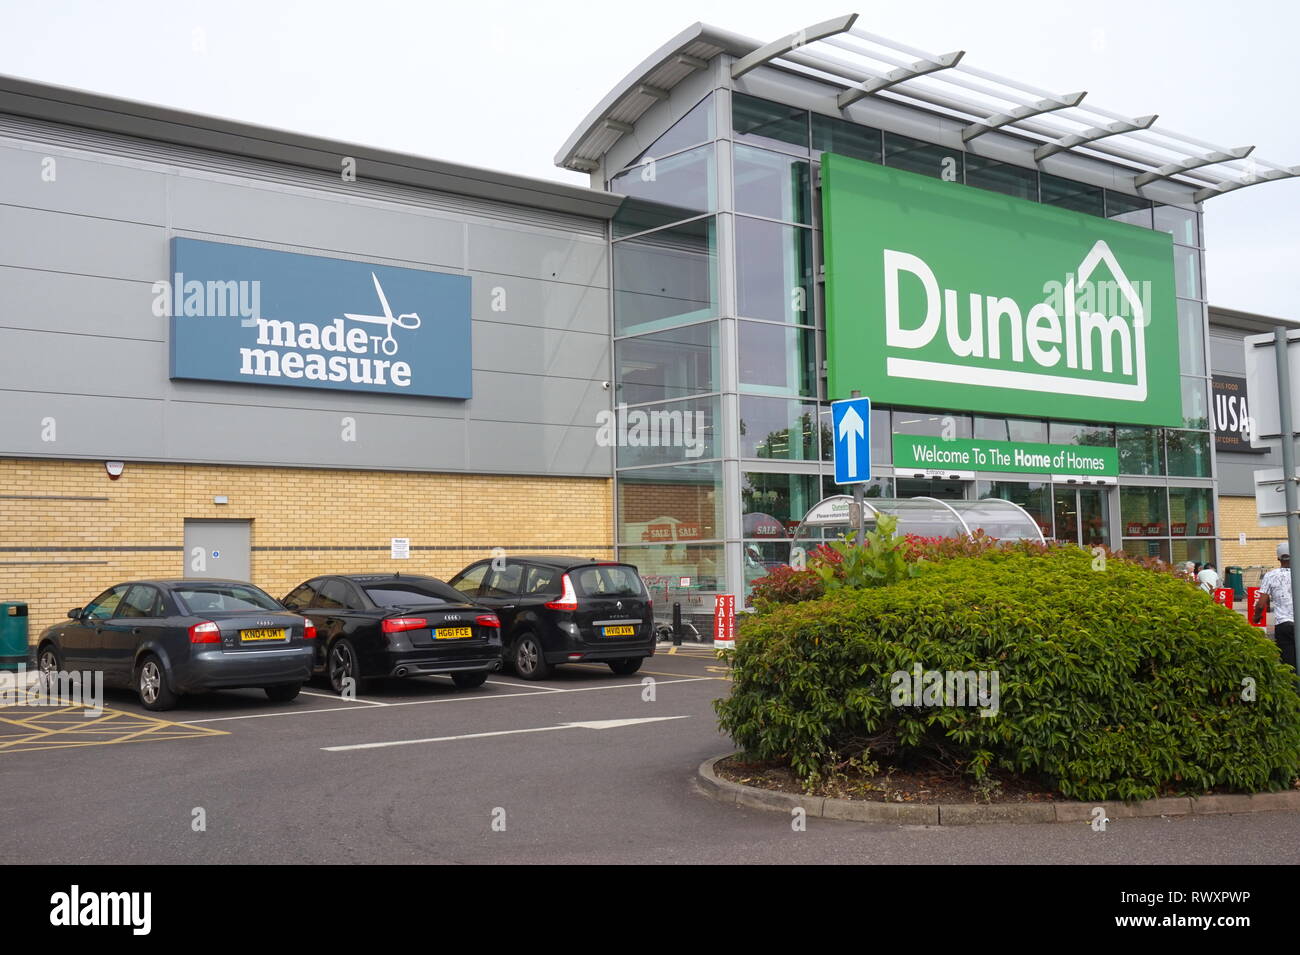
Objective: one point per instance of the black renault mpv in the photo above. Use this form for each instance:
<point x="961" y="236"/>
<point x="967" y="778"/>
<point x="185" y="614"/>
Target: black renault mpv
<point x="564" y="610"/>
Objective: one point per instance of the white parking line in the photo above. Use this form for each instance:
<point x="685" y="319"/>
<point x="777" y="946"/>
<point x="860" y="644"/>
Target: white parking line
<point x="521" y="686"/>
<point x="447" y="699"/>
<point x="590" y="725"/>
<point x="341" y="699"/>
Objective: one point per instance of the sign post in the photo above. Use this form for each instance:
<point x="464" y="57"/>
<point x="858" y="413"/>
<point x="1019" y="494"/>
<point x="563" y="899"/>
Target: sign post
<point x="1281" y="354"/>
<point x="851" y="429"/>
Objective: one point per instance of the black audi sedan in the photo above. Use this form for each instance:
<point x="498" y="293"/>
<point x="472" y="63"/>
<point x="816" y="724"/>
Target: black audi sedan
<point x="564" y="610"/>
<point x="397" y="625"/>
<point x="166" y="638"/>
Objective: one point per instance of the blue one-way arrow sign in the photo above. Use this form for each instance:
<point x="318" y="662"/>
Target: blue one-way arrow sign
<point x="851" y="428"/>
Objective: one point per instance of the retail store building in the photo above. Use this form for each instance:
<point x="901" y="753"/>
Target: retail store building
<point x="311" y="356"/>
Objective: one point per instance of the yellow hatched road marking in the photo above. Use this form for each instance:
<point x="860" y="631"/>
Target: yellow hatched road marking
<point x="43" y="729"/>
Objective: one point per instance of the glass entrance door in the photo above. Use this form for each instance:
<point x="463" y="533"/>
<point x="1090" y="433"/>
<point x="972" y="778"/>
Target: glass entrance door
<point x="924" y="487"/>
<point x="1082" y="515"/>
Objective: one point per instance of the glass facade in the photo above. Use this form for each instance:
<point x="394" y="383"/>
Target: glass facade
<point x="723" y="515"/>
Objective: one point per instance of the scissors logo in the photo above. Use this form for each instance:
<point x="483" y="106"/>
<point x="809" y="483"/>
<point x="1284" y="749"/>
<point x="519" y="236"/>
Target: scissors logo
<point x="387" y="344"/>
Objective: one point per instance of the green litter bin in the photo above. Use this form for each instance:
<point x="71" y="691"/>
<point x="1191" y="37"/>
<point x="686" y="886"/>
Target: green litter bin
<point x="1234" y="580"/>
<point x="13" y="635"/>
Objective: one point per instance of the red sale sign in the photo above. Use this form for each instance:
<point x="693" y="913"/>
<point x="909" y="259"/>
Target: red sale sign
<point x="1252" y="595"/>
<point x="724" y="620"/>
<point x="1223" y="595"/>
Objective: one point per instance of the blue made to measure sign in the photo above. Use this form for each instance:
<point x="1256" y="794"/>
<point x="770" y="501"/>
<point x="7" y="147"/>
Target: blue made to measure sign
<point x="851" y="429"/>
<point x="265" y="317"/>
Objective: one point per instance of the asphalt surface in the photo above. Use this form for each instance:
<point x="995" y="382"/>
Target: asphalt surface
<point x="277" y="784"/>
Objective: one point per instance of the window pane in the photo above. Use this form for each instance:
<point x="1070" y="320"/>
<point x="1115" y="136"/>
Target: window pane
<point x="1147" y="548"/>
<point x="1191" y="512"/>
<point x="671" y="364"/>
<point x="933" y="424"/>
<point x="1128" y="208"/>
<point x="1001" y="177"/>
<point x="667" y="433"/>
<point x="1141" y="451"/>
<point x="882" y="448"/>
<point x="771" y="184"/>
<point x="1034" y="496"/>
<point x="769" y="124"/>
<point x="903" y="152"/>
<point x="876" y="487"/>
<point x="1189" y="453"/>
<point x="1187" y="276"/>
<point x="774" y="271"/>
<point x="666" y="190"/>
<point x="665" y="278"/>
<point x="695" y="127"/>
<point x="1069" y="194"/>
<point x="670" y="504"/>
<point x="777" y="360"/>
<point x="1180" y="223"/>
<point x="1010" y="429"/>
<point x="1201" y="551"/>
<point x="773" y="504"/>
<point x="1143" y="513"/>
<point x="1196" y="412"/>
<point x="777" y="428"/>
<point x="1191" y="338"/>
<point x="662" y="568"/>
<point x="1085" y="435"/>
<point x="847" y="139"/>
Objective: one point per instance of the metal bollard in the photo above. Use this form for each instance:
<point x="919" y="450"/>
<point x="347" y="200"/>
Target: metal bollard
<point x="677" y="623"/>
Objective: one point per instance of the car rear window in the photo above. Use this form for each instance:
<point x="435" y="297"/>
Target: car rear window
<point x="406" y="593"/>
<point x="607" y="580"/>
<point x="213" y="598"/>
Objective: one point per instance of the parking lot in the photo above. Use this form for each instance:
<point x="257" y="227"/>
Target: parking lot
<point x="582" y="767"/>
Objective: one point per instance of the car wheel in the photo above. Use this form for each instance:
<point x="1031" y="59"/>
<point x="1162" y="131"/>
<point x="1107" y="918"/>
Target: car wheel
<point x="467" y="681"/>
<point x="282" y="693"/>
<point x="341" y="665"/>
<point x="153" y="685"/>
<point x="529" y="661"/>
<point x="625" y="667"/>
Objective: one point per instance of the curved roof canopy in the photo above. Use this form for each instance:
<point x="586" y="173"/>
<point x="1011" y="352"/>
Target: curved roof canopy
<point x="854" y="64"/>
<point x="924" y="516"/>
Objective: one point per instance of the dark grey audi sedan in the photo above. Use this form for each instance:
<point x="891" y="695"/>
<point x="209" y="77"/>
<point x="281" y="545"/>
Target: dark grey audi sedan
<point x="166" y="638"/>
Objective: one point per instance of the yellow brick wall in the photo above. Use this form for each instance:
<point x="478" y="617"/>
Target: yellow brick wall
<point x="80" y="541"/>
<point x="1237" y="515"/>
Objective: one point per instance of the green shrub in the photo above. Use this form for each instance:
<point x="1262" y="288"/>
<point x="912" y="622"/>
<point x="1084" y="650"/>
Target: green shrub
<point x="1114" y="683"/>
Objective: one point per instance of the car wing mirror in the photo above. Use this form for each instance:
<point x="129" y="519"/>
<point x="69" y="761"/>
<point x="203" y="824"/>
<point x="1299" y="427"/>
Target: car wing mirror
<point x="74" y="613"/>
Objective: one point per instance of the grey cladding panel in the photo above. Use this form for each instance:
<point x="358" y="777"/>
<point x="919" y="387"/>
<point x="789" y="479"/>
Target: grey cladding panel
<point x="360" y="230"/>
<point x="530" y="350"/>
<point x="549" y="304"/>
<point x="100" y="427"/>
<point x="86" y="187"/>
<point x="80" y="304"/>
<point x="60" y="242"/>
<point x="541" y="255"/>
<point x="253" y="435"/>
<point x="82" y="364"/>
<point x="1227" y="355"/>
<point x="532" y="398"/>
<point x="501" y="446"/>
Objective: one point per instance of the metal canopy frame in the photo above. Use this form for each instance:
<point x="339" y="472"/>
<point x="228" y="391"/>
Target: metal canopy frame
<point x="856" y="64"/>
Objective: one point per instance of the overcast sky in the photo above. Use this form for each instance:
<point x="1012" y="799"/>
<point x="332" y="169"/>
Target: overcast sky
<point x="502" y="85"/>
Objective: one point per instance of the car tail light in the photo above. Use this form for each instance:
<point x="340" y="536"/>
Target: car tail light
<point x="568" y="600"/>
<point x="206" y="632"/>
<point x="397" y="624"/>
<point x="309" y="631"/>
<point x="488" y="620"/>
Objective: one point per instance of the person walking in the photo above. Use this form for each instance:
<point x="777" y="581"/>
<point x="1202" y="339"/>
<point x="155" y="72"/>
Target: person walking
<point x="1275" y="595"/>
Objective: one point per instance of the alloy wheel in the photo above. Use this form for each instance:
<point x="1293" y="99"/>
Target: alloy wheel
<point x="150" y="681"/>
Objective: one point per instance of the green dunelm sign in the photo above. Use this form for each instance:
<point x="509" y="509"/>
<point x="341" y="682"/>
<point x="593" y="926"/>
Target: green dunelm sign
<point x="964" y="454"/>
<point x="941" y="295"/>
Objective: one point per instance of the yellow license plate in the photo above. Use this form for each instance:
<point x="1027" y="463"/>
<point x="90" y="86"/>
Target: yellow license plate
<point x="620" y="631"/>
<point x="252" y="636"/>
<point x="453" y="633"/>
